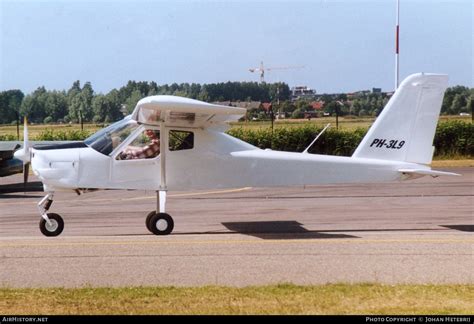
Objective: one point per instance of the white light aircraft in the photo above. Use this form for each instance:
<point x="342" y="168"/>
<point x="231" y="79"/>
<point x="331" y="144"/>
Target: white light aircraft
<point x="195" y="153"/>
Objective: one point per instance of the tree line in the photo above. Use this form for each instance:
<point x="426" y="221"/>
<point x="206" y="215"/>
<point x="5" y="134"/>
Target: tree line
<point x="81" y="103"/>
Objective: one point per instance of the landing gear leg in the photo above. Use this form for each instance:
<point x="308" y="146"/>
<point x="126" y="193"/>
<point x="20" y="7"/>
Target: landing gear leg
<point x="158" y="222"/>
<point x="51" y="224"/>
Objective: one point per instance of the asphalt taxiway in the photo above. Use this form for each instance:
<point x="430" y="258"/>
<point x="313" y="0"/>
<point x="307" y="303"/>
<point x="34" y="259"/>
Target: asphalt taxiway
<point x="418" y="231"/>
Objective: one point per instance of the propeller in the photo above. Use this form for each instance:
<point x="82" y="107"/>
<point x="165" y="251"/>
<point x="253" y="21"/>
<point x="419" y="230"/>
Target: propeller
<point x="24" y="154"/>
<point x="26" y="172"/>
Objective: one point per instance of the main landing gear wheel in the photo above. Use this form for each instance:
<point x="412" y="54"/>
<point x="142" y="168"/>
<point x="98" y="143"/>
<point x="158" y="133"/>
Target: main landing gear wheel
<point x="147" y="221"/>
<point x="160" y="223"/>
<point x="55" y="227"/>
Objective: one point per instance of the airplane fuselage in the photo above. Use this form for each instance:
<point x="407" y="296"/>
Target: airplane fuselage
<point x="217" y="160"/>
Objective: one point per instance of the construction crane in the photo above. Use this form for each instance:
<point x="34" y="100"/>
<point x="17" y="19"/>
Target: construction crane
<point x="262" y="69"/>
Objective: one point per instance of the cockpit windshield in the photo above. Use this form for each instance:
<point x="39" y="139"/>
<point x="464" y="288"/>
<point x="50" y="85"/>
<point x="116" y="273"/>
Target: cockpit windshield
<point x="107" y="139"/>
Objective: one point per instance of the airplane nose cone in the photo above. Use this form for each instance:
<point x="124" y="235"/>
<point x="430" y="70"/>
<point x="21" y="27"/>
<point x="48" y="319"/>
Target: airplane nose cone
<point x="22" y="155"/>
<point x="19" y="154"/>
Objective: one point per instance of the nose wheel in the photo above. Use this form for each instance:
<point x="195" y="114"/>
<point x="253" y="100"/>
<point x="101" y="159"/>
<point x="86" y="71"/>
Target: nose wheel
<point x="51" y="224"/>
<point x="54" y="227"/>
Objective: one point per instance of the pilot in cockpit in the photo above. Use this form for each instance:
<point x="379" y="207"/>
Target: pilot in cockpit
<point x="148" y="149"/>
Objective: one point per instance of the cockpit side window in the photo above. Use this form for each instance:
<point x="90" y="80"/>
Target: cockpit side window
<point x="145" y="146"/>
<point x="181" y="140"/>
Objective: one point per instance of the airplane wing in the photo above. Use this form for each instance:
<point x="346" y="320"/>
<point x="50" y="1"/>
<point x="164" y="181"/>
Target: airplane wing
<point x="8" y="164"/>
<point x="7" y="149"/>
<point x="183" y="112"/>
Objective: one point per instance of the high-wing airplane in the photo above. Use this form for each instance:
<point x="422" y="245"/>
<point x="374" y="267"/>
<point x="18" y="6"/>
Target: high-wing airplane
<point x="174" y="143"/>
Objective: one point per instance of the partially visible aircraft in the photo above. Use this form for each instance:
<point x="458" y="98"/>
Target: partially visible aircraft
<point x="195" y="153"/>
<point x="8" y="164"/>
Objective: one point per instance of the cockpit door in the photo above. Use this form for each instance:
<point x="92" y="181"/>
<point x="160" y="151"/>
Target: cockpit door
<point x="136" y="162"/>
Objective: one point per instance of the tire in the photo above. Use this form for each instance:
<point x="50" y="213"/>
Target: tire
<point x="148" y="218"/>
<point x="161" y="224"/>
<point x="56" y="227"/>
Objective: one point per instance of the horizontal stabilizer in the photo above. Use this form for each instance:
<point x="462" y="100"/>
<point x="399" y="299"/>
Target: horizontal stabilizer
<point x="423" y="172"/>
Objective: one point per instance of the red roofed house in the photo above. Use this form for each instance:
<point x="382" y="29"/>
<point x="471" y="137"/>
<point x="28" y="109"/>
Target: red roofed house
<point x="317" y="105"/>
<point x="267" y="106"/>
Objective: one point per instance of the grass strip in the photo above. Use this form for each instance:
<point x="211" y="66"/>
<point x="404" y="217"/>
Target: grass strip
<point x="274" y="299"/>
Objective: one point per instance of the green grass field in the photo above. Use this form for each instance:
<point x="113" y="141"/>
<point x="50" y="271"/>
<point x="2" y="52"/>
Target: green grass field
<point x="277" y="299"/>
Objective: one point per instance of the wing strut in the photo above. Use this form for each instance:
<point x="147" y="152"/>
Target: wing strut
<point x="161" y="194"/>
<point x="159" y="222"/>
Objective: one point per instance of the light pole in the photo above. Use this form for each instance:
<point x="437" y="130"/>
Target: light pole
<point x="80" y="118"/>
<point x="397" y="48"/>
<point x="17" y="125"/>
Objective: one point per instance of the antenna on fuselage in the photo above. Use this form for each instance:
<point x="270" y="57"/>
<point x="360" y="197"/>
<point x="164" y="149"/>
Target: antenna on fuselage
<point x="316" y="138"/>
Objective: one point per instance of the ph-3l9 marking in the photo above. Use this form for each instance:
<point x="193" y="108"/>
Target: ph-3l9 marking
<point x="390" y="144"/>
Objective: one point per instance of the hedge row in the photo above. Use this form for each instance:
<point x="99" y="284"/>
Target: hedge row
<point x="69" y="135"/>
<point x="333" y="142"/>
<point x="453" y="138"/>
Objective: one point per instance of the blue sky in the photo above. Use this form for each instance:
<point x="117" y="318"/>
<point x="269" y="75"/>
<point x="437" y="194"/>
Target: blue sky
<point x="344" y="45"/>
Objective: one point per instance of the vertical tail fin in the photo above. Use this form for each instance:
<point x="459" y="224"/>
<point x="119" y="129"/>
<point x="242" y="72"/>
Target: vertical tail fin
<point x="405" y="129"/>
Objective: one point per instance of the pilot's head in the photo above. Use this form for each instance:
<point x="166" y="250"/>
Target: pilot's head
<point x="150" y="133"/>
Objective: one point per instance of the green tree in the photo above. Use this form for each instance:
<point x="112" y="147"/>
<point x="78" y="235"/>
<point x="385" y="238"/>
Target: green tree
<point x="80" y="102"/>
<point x="75" y="109"/>
<point x="87" y="94"/>
<point x="33" y="105"/>
<point x="10" y="102"/>
<point x="131" y="102"/>
<point x="55" y="105"/>
<point x="73" y="91"/>
<point x="459" y="103"/>
<point x="287" y="106"/>
<point x="106" y="108"/>
<point x="297" y="113"/>
<point x="449" y="96"/>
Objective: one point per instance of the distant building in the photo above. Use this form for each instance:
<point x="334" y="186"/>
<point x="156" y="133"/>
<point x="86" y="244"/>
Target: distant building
<point x="302" y="92"/>
<point x="376" y="90"/>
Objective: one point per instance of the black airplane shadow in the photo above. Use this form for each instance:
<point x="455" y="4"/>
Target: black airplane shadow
<point x="462" y="228"/>
<point x="19" y="187"/>
<point x="279" y="230"/>
<point x="16" y="196"/>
